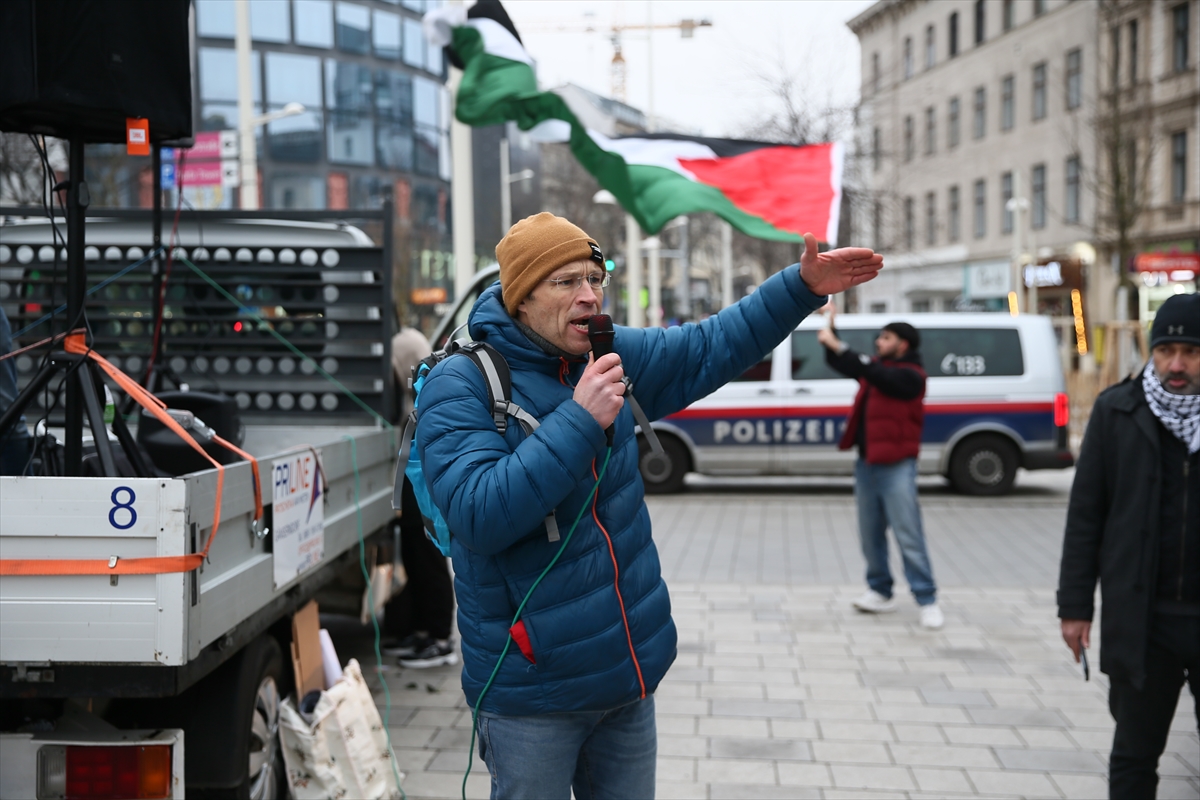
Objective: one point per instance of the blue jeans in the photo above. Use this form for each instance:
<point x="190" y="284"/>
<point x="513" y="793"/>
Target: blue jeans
<point x="599" y="754"/>
<point x="887" y="494"/>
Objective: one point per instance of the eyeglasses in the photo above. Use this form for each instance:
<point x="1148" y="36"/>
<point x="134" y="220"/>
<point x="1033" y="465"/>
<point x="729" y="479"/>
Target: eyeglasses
<point x="596" y="280"/>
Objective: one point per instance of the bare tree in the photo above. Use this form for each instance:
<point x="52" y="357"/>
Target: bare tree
<point x="21" y="179"/>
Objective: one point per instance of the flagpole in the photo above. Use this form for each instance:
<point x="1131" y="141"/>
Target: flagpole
<point x="726" y="264"/>
<point x="654" y="310"/>
<point x="633" y="272"/>
<point x="462" y="193"/>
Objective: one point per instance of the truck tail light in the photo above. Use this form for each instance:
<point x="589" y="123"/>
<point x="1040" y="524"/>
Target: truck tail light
<point x="1062" y="410"/>
<point x="104" y="772"/>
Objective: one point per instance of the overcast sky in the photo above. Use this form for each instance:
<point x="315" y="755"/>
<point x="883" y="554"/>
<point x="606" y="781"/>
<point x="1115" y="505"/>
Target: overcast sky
<point x="707" y="84"/>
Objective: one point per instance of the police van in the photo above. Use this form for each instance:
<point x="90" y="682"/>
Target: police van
<point x="995" y="401"/>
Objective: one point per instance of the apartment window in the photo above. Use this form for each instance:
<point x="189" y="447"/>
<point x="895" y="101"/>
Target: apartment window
<point x="930" y="131"/>
<point x="1039" y="91"/>
<point x="1072" y="197"/>
<point x="878" y="308"/>
<point x="953" y="222"/>
<point x="980" y="127"/>
<point x="980" y="22"/>
<point x="953" y="127"/>
<point x="1006" y="194"/>
<point x="1114" y="61"/>
<point x="930" y="47"/>
<point x="1039" y="7"/>
<point x="1074" y="78"/>
<point x="953" y="45"/>
<point x="874" y="72"/>
<point x="930" y="219"/>
<point x="910" y="233"/>
<point x="920" y="306"/>
<point x="908" y="138"/>
<point x="1178" y="166"/>
<point x="1180" y="35"/>
<point x="980" y="209"/>
<point x="1133" y="51"/>
<point x="1038" y="206"/>
<point x="1010" y="14"/>
<point x="908" y="58"/>
<point x="876" y="136"/>
<point x="1007" y="103"/>
<point x="877" y="224"/>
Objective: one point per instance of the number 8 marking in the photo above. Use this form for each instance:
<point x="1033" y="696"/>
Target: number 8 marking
<point x="127" y="506"/>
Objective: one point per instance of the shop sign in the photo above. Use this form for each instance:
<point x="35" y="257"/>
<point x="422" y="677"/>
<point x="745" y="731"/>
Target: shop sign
<point x="1167" y="262"/>
<point x="1044" y="274"/>
<point x="427" y="296"/>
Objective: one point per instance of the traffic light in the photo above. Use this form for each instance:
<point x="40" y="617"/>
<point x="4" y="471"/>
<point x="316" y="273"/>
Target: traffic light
<point x="609" y="265"/>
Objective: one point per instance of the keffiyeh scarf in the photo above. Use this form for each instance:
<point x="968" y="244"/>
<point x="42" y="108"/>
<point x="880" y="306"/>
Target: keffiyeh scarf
<point x="1180" y="413"/>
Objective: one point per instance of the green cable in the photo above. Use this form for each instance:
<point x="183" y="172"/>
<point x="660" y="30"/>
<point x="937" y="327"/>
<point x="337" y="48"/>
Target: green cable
<point x="516" y="618"/>
<point x="264" y="325"/>
<point x="362" y="562"/>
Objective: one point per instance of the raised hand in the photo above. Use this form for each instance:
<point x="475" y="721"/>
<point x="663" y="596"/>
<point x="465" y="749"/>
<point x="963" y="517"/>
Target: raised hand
<point x="837" y="270"/>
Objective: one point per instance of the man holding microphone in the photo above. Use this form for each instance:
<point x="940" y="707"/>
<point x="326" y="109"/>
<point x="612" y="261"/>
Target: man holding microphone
<point x="571" y="706"/>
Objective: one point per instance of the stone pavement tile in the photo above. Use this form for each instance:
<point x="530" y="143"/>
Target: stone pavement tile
<point x="689" y="674"/>
<point x="435" y="717"/>
<point x="793" y="729"/>
<point x="1036" y="759"/>
<point x="1083" y="787"/>
<point x="729" y="770"/>
<point x="1027" y="784"/>
<point x="952" y="667"/>
<point x="445" y="785"/>
<point x="675" y="768"/>
<point x="980" y="734"/>
<point x="935" y="755"/>
<point x="410" y="736"/>
<point x="875" y="664"/>
<point x="789" y="662"/>
<point x="669" y="688"/>
<point x="1087" y="719"/>
<point x="1017" y="716"/>
<point x="1076" y="701"/>
<point x="773" y="749"/>
<point x="838" y="711"/>
<point x="680" y="790"/>
<point x="851" y="753"/>
<point x="726" y="647"/>
<point x="910" y="696"/>
<point x="674" y="724"/>
<point x="911" y="680"/>
<point x="1185" y="745"/>
<point x="816" y="677"/>
<point x="1095" y="739"/>
<point x="709" y="726"/>
<point x="746" y="660"/>
<point x="411" y="759"/>
<point x="1046" y="738"/>
<point x="827" y="662"/>
<point x="777" y="692"/>
<point x="750" y="791"/>
<point x="900" y="713"/>
<point x="859" y="777"/>
<point x="857" y="731"/>
<point x="735" y="691"/>
<point x="1016" y="700"/>
<point x="455" y="761"/>
<point x="860" y="794"/>
<point x="794" y="773"/>
<point x="919" y="734"/>
<point x="757" y="708"/>
<point x="1178" y="789"/>
<point x="451" y="739"/>
<point x="943" y="697"/>
<point x="987" y="667"/>
<point x="681" y="705"/>
<point x="943" y="781"/>
<point x="687" y="746"/>
<point x="1169" y="764"/>
<point x="1016" y="683"/>
<point x="841" y="694"/>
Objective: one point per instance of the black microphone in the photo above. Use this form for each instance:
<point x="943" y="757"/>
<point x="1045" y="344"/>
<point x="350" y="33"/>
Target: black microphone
<point x="600" y="334"/>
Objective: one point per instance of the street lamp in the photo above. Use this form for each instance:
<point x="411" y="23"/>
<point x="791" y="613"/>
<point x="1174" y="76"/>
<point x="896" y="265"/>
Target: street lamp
<point x="633" y="262"/>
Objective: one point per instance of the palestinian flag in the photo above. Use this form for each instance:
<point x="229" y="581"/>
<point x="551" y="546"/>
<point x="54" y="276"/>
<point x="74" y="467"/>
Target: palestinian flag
<point x="765" y="190"/>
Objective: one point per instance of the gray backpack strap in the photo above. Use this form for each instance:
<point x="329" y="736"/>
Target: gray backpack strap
<point x="655" y="445"/>
<point x="406" y="441"/>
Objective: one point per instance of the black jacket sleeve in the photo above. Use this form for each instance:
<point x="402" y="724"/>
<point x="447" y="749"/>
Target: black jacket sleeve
<point x="1087" y="512"/>
<point x="901" y="383"/>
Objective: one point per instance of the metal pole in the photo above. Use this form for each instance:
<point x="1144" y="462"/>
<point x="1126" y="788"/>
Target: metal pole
<point x="685" y="280"/>
<point x="633" y="272"/>
<point x="77" y="203"/>
<point x="462" y="194"/>
<point x="156" y="264"/>
<point x="1017" y="277"/>
<point x="505" y="189"/>
<point x="247" y="151"/>
<point x="726" y="264"/>
<point x="654" y="312"/>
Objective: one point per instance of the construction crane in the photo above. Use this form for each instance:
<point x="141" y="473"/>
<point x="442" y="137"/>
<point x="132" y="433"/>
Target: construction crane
<point x="686" y="28"/>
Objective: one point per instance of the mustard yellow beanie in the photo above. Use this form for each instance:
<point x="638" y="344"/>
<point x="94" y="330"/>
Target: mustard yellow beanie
<point x="534" y="248"/>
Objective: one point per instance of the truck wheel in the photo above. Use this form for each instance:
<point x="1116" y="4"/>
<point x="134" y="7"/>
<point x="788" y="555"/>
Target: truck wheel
<point x="265" y="773"/>
<point x="663" y="474"/>
<point x="984" y="465"/>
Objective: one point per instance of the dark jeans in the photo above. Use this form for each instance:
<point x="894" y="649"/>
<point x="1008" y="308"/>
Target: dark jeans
<point x="1144" y="717"/>
<point x="427" y="601"/>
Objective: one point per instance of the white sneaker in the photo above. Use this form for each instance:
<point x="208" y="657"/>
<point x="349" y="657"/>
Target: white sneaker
<point x="874" y="603"/>
<point x="932" y="617"/>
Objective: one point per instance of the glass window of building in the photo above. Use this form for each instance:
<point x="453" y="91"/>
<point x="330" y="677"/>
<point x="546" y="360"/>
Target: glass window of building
<point x="215" y="18"/>
<point x="980" y="209"/>
<point x="270" y="22"/>
<point x="1039" y="91"/>
<point x="425" y="102"/>
<point x="876" y="146"/>
<point x="1009" y="14"/>
<point x="1072" y="195"/>
<point x="444" y="165"/>
<point x="910" y="225"/>
<point x="930" y="219"/>
<point x="980" y="112"/>
<point x="350" y="131"/>
<point x="1006" y="194"/>
<point x="1114" y="56"/>
<point x="1038" y="206"/>
<point x="1008" y="102"/>
<point x="415" y="5"/>
<point x="930" y="131"/>
<point x="1180" y="34"/>
<point x="953" y="43"/>
<point x="353" y="28"/>
<point x="1074" y="78"/>
<point x="218" y="75"/>
<point x="294" y="79"/>
<point x="980" y="22"/>
<point x="394" y="119"/>
<point x="314" y="23"/>
<point x="414" y="44"/>
<point x="1178" y="166"/>
<point x="953" y="128"/>
<point x="385" y="35"/>
<point x="1133" y="51"/>
<point x="953" y="216"/>
<point x="930" y="47"/>
<point x="297" y="191"/>
<point x="874" y="72"/>
<point x="877" y="224"/>
<point x="433" y="59"/>
<point x="908" y="138"/>
<point x="1039" y="7"/>
<point x="908" y="58"/>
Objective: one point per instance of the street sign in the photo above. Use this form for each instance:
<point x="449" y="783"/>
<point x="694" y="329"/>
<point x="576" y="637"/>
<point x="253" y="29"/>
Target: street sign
<point x="230" y="172"/>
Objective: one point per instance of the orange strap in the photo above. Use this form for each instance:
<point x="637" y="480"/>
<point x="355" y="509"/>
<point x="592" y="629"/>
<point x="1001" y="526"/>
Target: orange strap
<point x="158" y="565"/>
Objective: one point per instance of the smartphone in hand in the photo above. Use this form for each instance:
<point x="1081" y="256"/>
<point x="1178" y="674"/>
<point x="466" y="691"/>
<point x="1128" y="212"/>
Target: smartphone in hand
<point x="1083" y="660"/>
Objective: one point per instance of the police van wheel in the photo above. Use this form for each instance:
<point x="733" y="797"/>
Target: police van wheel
<point x="984" y="465"/>
<point x="663" y="474"/>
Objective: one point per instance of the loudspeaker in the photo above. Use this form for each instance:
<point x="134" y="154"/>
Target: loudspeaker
<point x="76" y="69"/>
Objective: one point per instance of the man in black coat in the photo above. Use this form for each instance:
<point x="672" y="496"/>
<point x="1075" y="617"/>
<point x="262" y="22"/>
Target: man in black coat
<point x="1134" y="523"/>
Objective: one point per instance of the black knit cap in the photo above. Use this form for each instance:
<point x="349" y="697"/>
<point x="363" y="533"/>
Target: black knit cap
<point x="906" y="332"/>
<point x="1177" y="320"/>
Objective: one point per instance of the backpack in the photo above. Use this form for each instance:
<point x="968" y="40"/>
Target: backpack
<point x="497" y="378"/>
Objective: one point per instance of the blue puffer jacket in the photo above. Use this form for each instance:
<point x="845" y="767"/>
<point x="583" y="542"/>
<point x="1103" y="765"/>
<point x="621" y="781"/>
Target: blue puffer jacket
<point x="599" y="625"/>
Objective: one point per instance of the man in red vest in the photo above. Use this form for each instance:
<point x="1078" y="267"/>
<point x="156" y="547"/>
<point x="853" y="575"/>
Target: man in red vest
<point x="885" y="424"/>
